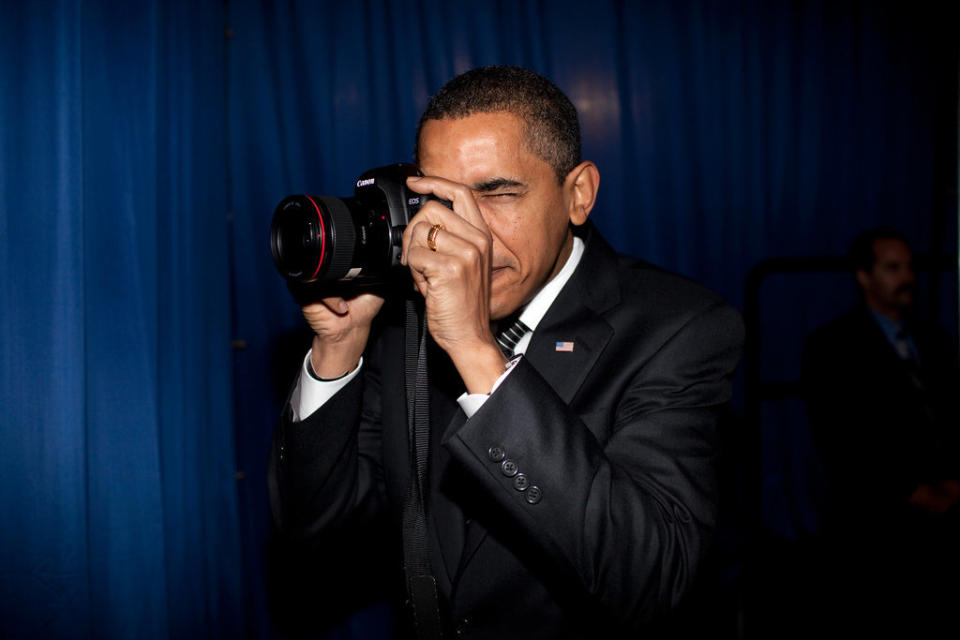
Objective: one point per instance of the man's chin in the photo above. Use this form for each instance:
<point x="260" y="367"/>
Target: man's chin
<point x="502" y="303"/>
<point x="498" y="313"/>
<point x="500" y="309"/>
<point x="905" y="300"/>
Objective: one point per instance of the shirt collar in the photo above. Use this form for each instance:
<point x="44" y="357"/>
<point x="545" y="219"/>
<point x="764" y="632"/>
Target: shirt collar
<point x="890" y="328"/>
<point x="897" y="335"/>
<point x="537" y="308"/>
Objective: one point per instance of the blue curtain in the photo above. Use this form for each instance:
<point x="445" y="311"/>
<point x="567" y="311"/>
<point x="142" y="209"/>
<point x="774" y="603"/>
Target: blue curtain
<point x="118" y="511"/>
<point x="147" y="342"/>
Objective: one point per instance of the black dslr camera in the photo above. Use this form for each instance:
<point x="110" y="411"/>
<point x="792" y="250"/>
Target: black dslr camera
<point x="324" y="245"/>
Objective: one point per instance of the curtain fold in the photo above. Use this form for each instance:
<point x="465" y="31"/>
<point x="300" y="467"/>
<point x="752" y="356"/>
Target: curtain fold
<point x="118" y="493"/>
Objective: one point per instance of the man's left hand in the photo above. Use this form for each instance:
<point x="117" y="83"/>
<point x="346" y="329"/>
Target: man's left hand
<point x="454" y="279"/>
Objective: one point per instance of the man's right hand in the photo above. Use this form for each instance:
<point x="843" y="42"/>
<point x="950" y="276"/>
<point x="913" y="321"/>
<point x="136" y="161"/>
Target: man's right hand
<point x="341" y="328"/>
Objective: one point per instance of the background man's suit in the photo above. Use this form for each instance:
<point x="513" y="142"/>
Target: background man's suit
<point x="879" y="436"/>
<point x="619" y="435"/>
<point x="869" y="421"/>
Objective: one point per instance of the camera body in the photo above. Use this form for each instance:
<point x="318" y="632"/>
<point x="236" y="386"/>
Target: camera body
<point x="325" y="245"/>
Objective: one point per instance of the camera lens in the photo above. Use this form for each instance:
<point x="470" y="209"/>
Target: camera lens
<point x="312" y="238"/>
<point x="324" y="245"/>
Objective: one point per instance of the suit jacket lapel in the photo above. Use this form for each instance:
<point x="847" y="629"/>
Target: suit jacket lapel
<point x="573" y="317"/>
<point x="564" y="370"/>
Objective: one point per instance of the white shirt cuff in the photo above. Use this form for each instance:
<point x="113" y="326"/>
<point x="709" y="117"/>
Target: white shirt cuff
<point x="310" y="394"/>
<point x="471" y="402"/>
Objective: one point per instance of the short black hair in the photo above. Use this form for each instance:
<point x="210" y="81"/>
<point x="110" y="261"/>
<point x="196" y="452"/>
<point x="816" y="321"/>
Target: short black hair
<point x="552" y="128"/>
<point x="862" y="255"/>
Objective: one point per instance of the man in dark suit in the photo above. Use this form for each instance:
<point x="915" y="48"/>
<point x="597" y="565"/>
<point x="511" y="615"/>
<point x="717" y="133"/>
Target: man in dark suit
<point x="570" y="486"/>
<point x="881" y="389"/>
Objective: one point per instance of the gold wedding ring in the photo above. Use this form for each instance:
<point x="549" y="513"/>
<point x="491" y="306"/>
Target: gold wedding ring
<point x="432" y="236"/>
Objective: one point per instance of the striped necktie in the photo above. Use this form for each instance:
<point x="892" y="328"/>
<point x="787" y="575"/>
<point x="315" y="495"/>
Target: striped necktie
<point x="903" y="346"/>
<point x="509" y="337"/>
<point x="909" y="358"/>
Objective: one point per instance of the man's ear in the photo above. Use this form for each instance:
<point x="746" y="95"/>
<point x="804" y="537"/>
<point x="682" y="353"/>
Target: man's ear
<point x="863" y="279"/>
<point x="581" y="185"/>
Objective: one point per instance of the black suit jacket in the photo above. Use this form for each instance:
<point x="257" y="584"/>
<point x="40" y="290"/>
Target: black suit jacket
<point x="619" y="436"/>
<point x="878" y="434"/>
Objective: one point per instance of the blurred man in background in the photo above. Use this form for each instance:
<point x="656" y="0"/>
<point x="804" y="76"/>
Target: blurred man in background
<point x="881" y="387"/>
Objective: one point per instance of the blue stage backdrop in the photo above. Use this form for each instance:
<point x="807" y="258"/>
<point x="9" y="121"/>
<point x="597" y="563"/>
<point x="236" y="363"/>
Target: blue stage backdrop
<point x="118" y="509"/>
<point x="147" y="342"/>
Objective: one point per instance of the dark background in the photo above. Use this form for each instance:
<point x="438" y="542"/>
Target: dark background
<point x="147" y="341"/>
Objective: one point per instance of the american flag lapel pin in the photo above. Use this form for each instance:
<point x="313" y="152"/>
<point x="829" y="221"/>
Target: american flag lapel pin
<point x="564" y="346"/>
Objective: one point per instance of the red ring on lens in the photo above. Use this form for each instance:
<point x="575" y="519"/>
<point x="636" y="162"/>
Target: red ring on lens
<point x="323" y="237"/>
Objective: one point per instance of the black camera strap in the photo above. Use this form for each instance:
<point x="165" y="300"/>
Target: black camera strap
<point x="421" y="585"/>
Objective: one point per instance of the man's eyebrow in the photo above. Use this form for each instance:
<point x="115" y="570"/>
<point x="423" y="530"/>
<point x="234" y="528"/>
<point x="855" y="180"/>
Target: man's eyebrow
<point x="494" y="184"/>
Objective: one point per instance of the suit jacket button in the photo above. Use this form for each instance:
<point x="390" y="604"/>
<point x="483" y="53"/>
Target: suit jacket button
<point x="533" y="494"/>
<point x="521" y="482"/>
<point x="496" y="453"/>
<point x="509" y="468"/>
